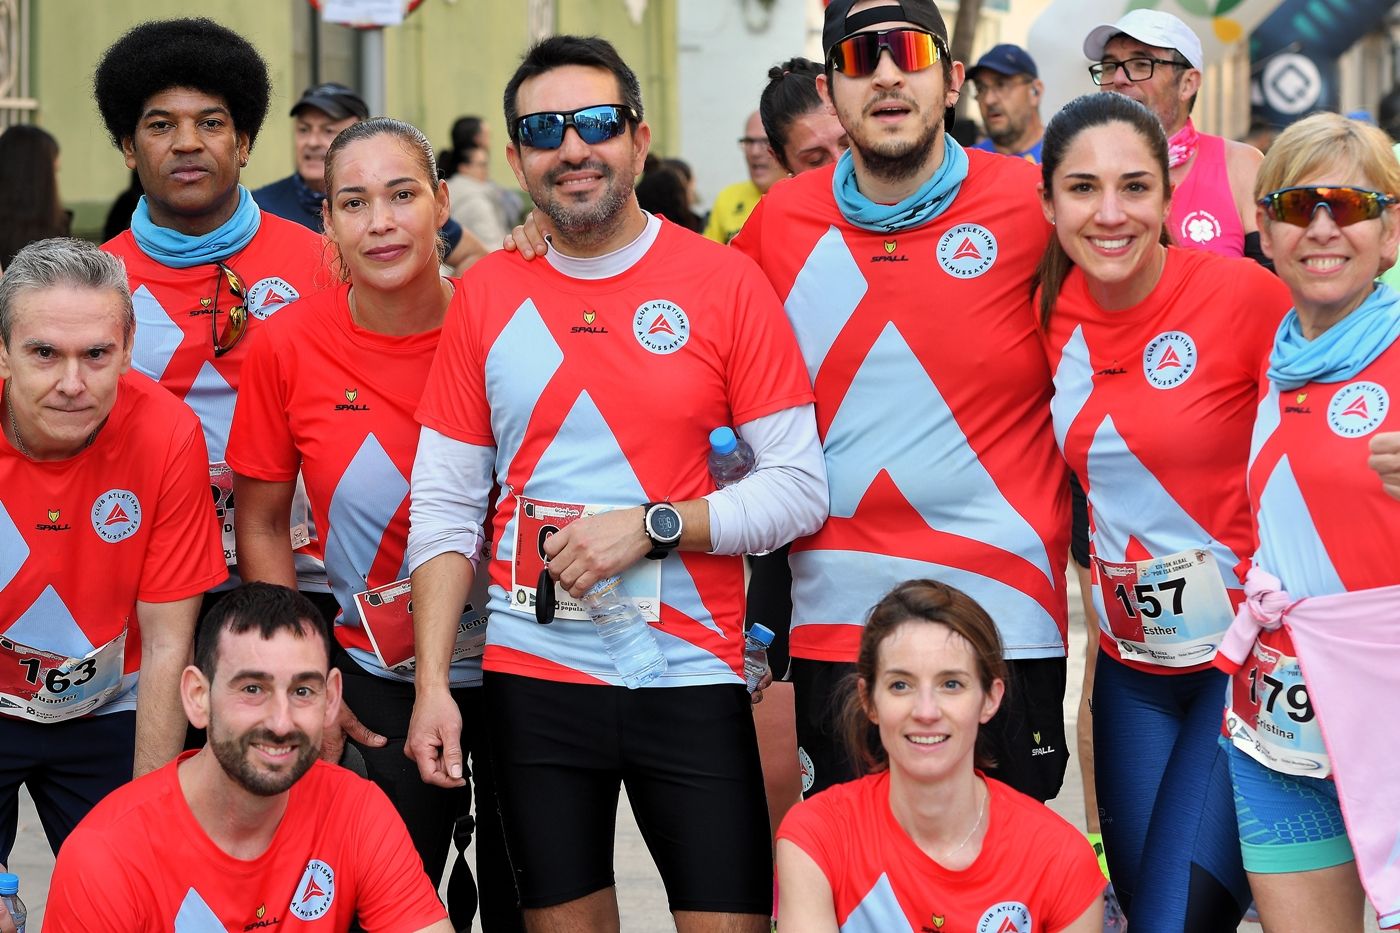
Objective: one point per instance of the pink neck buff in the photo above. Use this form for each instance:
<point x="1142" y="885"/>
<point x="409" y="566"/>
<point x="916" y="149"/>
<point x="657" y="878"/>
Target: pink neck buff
<point x="1182" y="146"/>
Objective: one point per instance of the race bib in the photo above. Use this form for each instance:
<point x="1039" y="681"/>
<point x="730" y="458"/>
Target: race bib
<point x="1270" y="717"/>
<point x="221" y="486"/>
<point x="1171" y="611"/>
<point x="535" y="522"/>
<point x="386" y="613"/>
<point x="45" y="687"/>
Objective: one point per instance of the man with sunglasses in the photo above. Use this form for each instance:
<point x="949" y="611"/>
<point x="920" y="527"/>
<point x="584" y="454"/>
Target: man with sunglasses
<point x="586" y="383"/>
<point x="184" y="100"/>
<point x="105" y="541"/>
<point x="1155" y="58"/>
<point x="1007" y="87"/>
<point x="905" y="269"/>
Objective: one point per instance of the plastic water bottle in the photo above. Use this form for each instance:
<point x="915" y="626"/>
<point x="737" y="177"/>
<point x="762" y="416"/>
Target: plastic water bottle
<point x="9" y="894"/>
<point x="627" y="637"/>
<point x="756" y="654"/>
<point x="731" y="458"/>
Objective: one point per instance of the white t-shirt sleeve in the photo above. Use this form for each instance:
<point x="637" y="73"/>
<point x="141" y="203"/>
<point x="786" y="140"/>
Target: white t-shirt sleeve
<point x="447" y="508"/>
<point x="785" y="497"/>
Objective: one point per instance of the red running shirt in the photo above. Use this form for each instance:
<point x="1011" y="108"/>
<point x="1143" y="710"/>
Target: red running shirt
<point x="1035" y="871"/>
<point x="603" y="392"/>
<point x="141" y="863"/>
<point x="933" y="406"/>
<point x="336" y="401"/>
<point x="174" y="342"/>
<point x="1153" y="409"/>
<point x="127" y="519"/>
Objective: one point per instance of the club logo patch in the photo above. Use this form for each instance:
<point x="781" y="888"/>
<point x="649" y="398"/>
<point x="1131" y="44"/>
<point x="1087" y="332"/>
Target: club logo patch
<point x="1199" y="227"/>
<point x="1169" y="360"/>
<point x="1358" y="409"/>
<point x="967" y="250"/>
<point x="1006" y="917"/>
<point x="268" y="296"/>
<point x="116" y="515"/>
<point x="314" y="892"/>
<point x="661" y="326"/>
<point x="804" y="764"/>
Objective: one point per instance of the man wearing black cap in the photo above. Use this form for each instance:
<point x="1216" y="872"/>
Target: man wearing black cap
<point x="318" y="117"/>
<point x="905" y="269"/>
<point x="1007" y="88"/>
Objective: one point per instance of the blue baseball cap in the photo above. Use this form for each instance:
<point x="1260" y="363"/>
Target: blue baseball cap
<point x="1006" y="59"/>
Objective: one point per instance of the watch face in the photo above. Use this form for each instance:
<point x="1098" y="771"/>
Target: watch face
<point x="664" y="523"/>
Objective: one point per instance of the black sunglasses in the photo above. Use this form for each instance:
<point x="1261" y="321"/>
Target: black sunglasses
<point x="594" y="125"/>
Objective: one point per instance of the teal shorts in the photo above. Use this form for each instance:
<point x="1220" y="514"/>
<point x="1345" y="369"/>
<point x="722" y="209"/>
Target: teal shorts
<point x="1287" y="823"/>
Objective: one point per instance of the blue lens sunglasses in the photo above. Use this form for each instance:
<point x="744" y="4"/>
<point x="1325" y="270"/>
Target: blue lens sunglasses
<point x="594" y="125"/>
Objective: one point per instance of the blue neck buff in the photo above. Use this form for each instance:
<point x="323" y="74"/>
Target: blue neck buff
<point x="1341" y="351"/>
<point x="180" y="251"/>
<point x="932" y="198"/>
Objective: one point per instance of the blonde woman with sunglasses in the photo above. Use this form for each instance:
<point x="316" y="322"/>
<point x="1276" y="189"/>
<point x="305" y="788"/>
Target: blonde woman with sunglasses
<point x="1314" y="649"/>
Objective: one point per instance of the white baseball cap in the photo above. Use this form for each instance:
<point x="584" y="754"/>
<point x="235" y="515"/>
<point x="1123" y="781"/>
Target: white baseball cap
<point x="1150" y="27"/>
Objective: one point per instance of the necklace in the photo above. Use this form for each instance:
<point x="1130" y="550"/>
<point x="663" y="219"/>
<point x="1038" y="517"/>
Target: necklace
<point x="981" y="810"/>
<point x="14" y="426"/>
<point x="19" y="441"/>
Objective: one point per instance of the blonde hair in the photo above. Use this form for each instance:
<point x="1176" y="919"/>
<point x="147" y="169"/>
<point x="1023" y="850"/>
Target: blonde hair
<point x="1361" y="154"/>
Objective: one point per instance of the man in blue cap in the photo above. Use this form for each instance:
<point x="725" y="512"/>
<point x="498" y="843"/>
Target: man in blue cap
<point x="1007" y="88"/>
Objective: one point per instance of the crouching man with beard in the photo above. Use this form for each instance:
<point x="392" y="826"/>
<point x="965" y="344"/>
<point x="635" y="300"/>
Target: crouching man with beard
<point x="251" y="829"/>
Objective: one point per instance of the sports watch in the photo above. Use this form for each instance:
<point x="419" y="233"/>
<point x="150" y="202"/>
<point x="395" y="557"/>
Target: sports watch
<point x="662" y="524"/>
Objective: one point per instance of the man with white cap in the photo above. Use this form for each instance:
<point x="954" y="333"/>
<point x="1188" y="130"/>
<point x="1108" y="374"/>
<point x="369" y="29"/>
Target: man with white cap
<point x="1155" y="58"/>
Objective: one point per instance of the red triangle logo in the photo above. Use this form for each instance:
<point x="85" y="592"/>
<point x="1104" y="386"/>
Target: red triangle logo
<point x="966" y="250"/>
<point x="661" y="325"/>
<point x="1169" y="359"/>
<point x="117" y="516"/>
<point x="1358" y="408"/>
<point x="273" y="299"/>
<point x="1008" y="927"/>
<point x="312" y="890"/>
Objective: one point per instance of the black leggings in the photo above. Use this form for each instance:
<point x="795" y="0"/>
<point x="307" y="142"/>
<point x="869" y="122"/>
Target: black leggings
<point x="435" y="816"/>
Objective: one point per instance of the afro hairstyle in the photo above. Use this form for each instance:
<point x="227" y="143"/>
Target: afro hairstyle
<point x="192" y="53"/>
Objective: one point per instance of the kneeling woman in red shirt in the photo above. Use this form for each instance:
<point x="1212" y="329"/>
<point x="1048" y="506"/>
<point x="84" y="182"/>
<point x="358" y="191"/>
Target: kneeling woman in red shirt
<point x="925" y="834"/>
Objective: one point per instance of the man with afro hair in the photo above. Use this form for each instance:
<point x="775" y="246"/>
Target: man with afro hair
<point x="184" y="99"/>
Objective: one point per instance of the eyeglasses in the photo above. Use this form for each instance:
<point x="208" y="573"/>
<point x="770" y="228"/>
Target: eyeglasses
<point x="237" y="323"/>
<point x="1137" y="69"/>
<point x="753" y="142"/>
<point x="594" y="125"/>
<point x="1348" y="206"/>
<point x="910" y="49"/>
<point x="983" y="90"/>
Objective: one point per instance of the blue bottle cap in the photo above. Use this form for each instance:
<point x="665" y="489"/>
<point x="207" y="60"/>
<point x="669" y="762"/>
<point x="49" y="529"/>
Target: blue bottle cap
<point x="9" y="884"/>
<point x="722" y="441"/>
<point x="761" y="634"/>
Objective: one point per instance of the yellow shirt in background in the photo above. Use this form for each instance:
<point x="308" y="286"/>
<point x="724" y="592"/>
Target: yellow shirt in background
<point x="731" y="209"/>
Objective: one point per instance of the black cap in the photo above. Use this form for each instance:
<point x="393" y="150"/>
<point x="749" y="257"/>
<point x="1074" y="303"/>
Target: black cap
<point x="335" y="100"/>
<point x="1006" y="59"/>
<point x="839" y="23"/>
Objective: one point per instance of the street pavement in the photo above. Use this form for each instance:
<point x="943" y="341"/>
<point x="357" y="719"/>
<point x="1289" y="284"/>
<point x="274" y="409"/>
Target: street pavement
<point x="641" y="898"/>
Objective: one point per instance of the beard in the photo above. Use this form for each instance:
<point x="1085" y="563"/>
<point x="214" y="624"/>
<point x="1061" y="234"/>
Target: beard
<point x="232" y="753"/>
<point x="1006" y="137"/>
<point x="893" y="160"/>
<point x="583" y="223"/>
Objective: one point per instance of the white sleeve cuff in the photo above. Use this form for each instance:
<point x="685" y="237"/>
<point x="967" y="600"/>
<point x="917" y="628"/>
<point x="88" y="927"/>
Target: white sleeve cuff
<point x="447" y="509"/>
<point x="785" y="497"/>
